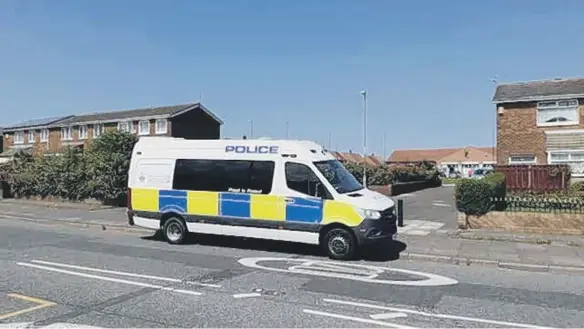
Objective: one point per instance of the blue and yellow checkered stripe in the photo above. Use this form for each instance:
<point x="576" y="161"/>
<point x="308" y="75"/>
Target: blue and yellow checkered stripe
<point x="243" y="205"/>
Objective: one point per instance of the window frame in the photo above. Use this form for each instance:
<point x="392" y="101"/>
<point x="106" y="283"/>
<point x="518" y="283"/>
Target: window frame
<point x="70" y="133"/>
<point x="219" y="176"/>
<point x="569" y="161"/>
<point x="97" y="130"/>
<point x="80" y="129"/>
<point x="144" y="133"/>
<point x="44" y="135"/>
<point x="129" y="126"/>
<point x="326" y="193"/>
<point x="547" y="106"/>
<point x="522" y="163"/>
<point x="161" y="131"/>
<point x="19" y="140"/>
<point x="29" y="134"/>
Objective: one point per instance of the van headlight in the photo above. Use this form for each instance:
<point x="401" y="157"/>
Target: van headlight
<point x="368" y="213"/>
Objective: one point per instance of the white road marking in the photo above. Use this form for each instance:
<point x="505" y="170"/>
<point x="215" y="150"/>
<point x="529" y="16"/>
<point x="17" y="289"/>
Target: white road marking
<point x="385" y="316"/>
<point x="247" y="295"/>
<point x="72" y="218"/>
<point x="105" y="278"/>
<point x="135" y="275"/>
<point x="356" y="319"/>
<point x="441" y="205"/>
<point x="435" y="315"/>
<point x="331" y="270"/>
<point x="15" y="325"/>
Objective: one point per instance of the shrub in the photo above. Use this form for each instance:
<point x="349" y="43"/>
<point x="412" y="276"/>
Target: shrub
<point x="577" y="188"/>
<point x="473" y="196"/>
<point x="101" y="172"/>
<point x="108" y="163"/>
<point x="496" y="182"/>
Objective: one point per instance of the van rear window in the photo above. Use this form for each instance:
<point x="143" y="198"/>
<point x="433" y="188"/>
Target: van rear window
<point x="236" y="176"/>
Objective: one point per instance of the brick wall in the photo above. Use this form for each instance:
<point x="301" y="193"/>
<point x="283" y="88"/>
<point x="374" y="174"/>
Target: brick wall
<point x="518" y="133"/>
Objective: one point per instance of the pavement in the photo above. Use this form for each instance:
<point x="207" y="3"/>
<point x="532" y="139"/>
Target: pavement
<point x="62" y="275"/>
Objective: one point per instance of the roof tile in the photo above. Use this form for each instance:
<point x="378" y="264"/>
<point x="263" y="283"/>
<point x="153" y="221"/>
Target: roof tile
<point x="538" y="90"/>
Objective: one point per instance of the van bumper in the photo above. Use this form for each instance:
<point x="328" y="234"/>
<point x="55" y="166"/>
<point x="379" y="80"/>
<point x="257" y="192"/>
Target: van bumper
<point x="372" y="231"/>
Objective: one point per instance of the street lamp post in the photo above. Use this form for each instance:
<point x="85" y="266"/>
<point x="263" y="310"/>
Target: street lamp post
<point x="251" y="129"/>
<point x="364" y="95"/>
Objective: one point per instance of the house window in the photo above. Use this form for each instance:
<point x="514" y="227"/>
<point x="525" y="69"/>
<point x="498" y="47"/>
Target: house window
<point x="144" y="127"/>
<point x="66" y="133"/>
<point x="573" y="158"/>
<point x="44" y="135"/>
<point x="558" y="113"/>
<point x="125" y="126"/>
<point x="19" y="137"/>
<point x="97" y="130"/>
<point x="161" y="126"/>
<point x="522" y="160"/>
<point x="30" y="136"/>
<point x="82" y="132"/>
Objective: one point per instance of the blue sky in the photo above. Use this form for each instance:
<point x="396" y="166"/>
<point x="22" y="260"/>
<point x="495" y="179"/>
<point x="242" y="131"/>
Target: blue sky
<point x="427" y="65"/>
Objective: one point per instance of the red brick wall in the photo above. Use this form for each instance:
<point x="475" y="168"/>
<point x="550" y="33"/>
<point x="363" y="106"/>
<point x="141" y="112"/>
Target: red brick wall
<point x="518" y="133"/>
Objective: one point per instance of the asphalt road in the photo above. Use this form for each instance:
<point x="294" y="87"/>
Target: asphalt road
<point x="53" y="275"/>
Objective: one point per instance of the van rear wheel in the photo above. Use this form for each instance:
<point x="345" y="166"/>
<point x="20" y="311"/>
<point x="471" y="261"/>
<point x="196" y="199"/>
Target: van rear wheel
<point x="174" y="230"/>
<point x="339" y="244"/>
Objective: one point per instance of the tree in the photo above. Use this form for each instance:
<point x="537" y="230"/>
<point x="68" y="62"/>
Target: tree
<point x="108" y="161"/>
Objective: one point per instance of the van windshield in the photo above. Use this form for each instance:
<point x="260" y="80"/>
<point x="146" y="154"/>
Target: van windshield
<point x="339" y="177"/>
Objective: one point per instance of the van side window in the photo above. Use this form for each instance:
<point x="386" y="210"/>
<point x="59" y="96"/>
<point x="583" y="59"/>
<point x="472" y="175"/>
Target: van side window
<point x="301" y="178"/>
<point x="224" y="176"/>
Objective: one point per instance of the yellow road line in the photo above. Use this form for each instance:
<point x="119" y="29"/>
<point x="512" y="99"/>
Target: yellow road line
<point x="41" y="304"/>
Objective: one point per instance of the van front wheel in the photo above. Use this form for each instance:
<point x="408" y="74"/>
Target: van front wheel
<point x="339" y="244"/>
<point x="174" y="230"/>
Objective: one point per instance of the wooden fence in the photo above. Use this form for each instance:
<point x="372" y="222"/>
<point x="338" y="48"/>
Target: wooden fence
<point x="540" y="178"/>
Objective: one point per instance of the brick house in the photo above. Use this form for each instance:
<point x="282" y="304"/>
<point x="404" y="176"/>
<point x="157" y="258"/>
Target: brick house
<point x="541" y="122"/>
<point x="448" y="160"/>
<point x="191" y="121"/>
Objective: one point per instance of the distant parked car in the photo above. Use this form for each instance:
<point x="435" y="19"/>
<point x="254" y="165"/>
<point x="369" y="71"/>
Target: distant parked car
<point x="481" y="173"/>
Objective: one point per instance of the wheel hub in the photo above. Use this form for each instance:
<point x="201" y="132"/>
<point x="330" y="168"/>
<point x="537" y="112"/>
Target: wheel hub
<point x="338" y="245"/>
<point x="174" y="231"/>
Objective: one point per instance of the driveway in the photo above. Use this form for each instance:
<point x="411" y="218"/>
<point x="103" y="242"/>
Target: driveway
<point x="428" y="211"/>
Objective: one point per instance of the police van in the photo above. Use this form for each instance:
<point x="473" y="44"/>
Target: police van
<point x="268" y="189"/>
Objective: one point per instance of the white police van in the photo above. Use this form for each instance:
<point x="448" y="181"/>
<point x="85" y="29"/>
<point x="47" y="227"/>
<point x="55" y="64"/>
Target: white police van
<point x="268" y="189"/>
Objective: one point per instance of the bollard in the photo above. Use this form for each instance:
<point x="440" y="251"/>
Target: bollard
<point x="400" y="212"/>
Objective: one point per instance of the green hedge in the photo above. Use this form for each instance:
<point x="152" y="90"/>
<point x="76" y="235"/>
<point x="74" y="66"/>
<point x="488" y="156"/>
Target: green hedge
<point x="100" y="172"/>
<point x="386" y="175"/>
<point x="479" y="196"/>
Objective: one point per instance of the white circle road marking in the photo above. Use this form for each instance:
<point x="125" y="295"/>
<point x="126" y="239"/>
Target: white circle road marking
<point x="353" y="272"/>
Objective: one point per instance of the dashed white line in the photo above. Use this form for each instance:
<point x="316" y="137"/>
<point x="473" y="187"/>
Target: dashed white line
<point x="435" y="315"/>
<point x="105" y="278"/>
<point x="128" y="274"/>
<point x="247" y="295"/>
<point x="356" y="319"/>
<point x="441" y="205"/>
<point x="385" y="316"/>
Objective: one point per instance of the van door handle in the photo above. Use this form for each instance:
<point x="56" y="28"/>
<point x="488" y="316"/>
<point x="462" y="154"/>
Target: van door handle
<point x="289" y="200"/>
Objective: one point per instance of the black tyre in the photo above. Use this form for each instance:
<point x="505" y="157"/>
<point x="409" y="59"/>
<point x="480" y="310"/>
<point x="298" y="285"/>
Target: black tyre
<point x="339" y="244"/>
<point x="174" y="230"/>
